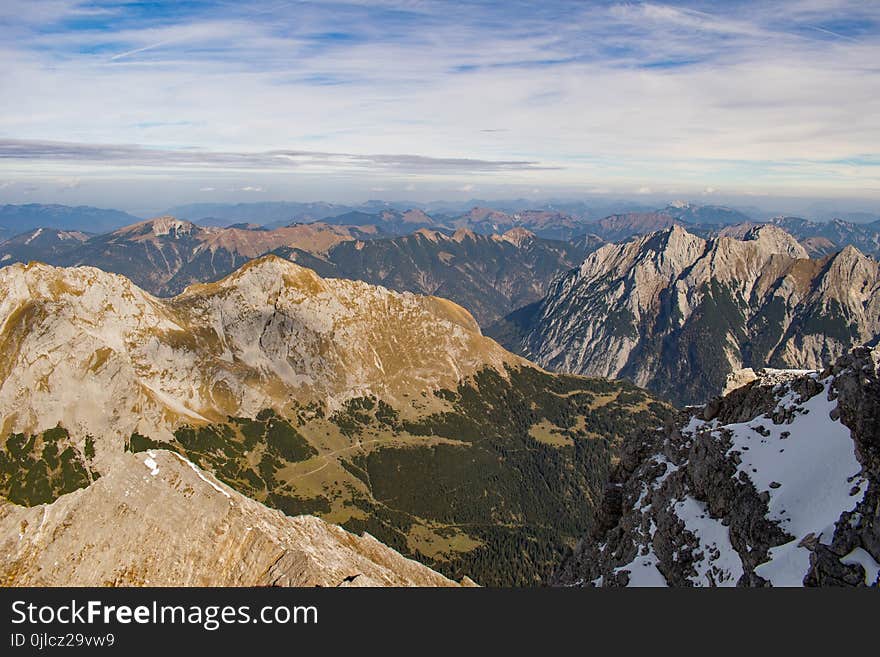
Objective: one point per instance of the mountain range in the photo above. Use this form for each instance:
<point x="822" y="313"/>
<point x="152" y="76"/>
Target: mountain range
<point x="676" y="313"/>
<point x="490" y="275"/>
<point x="17" y="219"/>
<point x="316" y="403"/>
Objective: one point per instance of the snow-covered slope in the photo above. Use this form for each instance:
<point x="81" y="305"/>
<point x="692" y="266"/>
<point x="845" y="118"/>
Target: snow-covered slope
<point x="777" y="483"/>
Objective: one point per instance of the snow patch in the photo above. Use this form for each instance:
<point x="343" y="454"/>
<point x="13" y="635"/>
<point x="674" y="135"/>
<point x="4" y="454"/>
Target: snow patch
<point x="151" y="464"/>
<point x="37" y="233"/>
<point x="202" y="476"/>
<point x="643" y="571"/>
<point x="809" y="469"/>
<point x="860" y="556"/>
<point x="720" y="564"/>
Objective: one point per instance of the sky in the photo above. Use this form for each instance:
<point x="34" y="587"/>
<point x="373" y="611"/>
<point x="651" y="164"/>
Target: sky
<point x="148" y="104"/>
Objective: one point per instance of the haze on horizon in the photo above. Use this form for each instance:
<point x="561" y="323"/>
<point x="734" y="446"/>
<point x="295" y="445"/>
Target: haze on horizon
<point x="150" y="104"/>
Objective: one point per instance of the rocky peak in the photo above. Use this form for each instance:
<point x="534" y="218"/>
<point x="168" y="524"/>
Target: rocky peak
<point x="164" y="226"/>
<point x="775" y="240"/>
<point x="673" y="249"/>
<point x="478" y="213"/>
<point x="416" y="216"/>
<point x="265" y="275"/>
<point x="168" y="225"/>
<point x="462" y="234"/>
<point x="430" y="234"/>
<point x="518" y="236"/>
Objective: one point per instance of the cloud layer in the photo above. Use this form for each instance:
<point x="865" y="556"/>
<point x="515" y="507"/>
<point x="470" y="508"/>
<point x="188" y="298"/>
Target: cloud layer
<point x="278" y="160"/>
<point x="738" y="96"/>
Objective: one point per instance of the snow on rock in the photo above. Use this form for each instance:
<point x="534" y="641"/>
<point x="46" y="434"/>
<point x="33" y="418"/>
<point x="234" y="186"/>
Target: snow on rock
<point x="643" y="572"/>
<point x="151" y="464"/>
<point x="808" y="468"/>
<point x="720" y="565"/>
<point x="862" y="558"/>
<point x="773" y="484"/>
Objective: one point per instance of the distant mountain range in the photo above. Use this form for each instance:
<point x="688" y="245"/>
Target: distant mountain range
<point x="489" y="275"/>
<point x="17" y="219"/>
<point x="823" y="238"/>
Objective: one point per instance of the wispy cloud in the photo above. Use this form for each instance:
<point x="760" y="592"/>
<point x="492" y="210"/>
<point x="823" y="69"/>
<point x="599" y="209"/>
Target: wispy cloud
<point x="47" y="152"/>
<point x="604" y="94"/>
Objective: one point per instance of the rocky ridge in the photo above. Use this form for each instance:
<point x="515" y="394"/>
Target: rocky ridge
<point x="676" y="313"/>
<point x="156" y="519"/>
<point x="776" y="483"/>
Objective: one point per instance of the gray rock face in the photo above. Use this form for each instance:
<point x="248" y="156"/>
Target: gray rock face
<point x="676" y="313"/>
<point x="776" y="483"/>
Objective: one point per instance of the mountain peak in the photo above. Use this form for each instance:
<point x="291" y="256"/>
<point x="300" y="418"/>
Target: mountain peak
<point x="162" y="226"/>
<point x="518" y="236"/>
<point x="463" y="234"/>
<point x="776" y="240"/>
<point x="267" y="273"/>
<point x="430" y="234"/>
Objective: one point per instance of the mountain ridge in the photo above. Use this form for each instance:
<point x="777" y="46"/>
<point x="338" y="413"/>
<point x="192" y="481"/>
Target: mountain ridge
<point x="675" y="312"/>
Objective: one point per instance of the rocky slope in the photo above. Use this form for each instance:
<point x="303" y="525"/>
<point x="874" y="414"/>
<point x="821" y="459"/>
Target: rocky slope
<point x="380" y="411"/>
<point x="676" y="313"/>
<point x="775" y="484"/>
<point x="272" y="331"/>
<point x="157" y="520"/>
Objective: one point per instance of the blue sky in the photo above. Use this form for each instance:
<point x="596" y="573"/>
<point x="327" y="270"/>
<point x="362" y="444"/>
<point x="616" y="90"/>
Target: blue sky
<point x="204" y="101"/>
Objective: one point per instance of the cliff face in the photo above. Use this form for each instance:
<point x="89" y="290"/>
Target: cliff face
<point x="776" y="483"/>
<point x="676" y="313"/>
<point x="157" y="520"/>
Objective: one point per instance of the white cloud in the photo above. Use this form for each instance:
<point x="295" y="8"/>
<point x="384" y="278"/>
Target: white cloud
<point x="731" y="96"/>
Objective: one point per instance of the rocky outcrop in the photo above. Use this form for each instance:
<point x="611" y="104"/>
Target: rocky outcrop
<point x="156" y="519"/>
<point x="676" y="313"/>
<point x="776" y="483"/>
